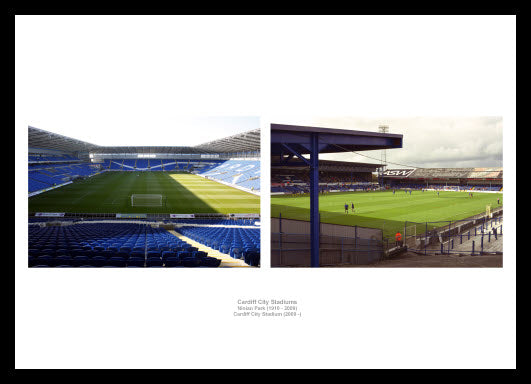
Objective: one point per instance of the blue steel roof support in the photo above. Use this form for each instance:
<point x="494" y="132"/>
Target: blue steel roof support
<point x="314" y="201"/>
<point x="294" y="152"/>
<point x="285" y="160"/>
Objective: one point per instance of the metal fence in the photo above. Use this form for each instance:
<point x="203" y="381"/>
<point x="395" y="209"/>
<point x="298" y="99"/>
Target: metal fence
<point x="480" y="234"/>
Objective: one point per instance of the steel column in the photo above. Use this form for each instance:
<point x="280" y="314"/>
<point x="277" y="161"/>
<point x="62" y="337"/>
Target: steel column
<point x="314" y="200"/>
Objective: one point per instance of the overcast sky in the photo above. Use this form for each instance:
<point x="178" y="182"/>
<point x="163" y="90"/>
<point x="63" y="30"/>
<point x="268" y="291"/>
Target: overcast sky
<point x="430" y="142"/>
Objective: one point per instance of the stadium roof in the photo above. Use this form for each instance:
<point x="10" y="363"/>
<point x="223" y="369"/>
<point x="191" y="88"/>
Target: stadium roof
<point x="39" y="138"/>
<point x="242" y="142"/>
<point x="331" y="140"/>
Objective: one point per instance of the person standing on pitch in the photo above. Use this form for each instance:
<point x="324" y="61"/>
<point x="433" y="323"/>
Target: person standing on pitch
<point x="346" y="208"/>
<point x="352" y="207"/>
<point x="498" y="201"/>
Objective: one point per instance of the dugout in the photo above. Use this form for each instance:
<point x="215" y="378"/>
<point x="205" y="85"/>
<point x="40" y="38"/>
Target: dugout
<point x="300" y="145"/>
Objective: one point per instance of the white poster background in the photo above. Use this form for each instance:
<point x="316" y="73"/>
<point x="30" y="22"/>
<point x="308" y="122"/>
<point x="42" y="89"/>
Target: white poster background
<point x="133" y="73"/>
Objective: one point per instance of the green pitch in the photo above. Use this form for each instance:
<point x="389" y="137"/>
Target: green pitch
<point x="110" y="192"/>
<point x="387" y="211"/>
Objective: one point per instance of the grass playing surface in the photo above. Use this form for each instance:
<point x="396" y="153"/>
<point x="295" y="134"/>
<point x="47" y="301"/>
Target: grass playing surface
<point x="110" y="192"/>
<point x="387" y="211"/>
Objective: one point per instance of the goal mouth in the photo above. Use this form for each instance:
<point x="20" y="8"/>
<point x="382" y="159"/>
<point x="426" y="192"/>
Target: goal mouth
<point x="147" y="200"/>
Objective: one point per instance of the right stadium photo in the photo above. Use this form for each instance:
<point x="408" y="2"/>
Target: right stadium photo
<point x="408" y="192"/>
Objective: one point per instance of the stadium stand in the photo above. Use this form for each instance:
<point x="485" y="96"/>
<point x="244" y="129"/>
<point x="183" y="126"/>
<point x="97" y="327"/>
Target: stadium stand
<point x="113" y="245"/>
<point x="334" y="178"/>
<point x="239" y="243"/>
<point x="118" y="165"/>
<point x="45" y="176"/>
<point x="142" y="164"/>
<point x="241" y="222"/>
<point x="158" y="165"/>
<point x="456" y="179"/>
<point x="168" y="166"/>
<point x="242" y="173"/>
<point x="44" y="158"/>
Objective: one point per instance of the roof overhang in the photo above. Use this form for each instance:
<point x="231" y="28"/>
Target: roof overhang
<point x="331" y="140"/>
<point x="242" y="142"/>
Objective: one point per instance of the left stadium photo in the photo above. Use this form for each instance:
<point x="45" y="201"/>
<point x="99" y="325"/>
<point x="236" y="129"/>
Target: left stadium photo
<point x="171" y="206"/>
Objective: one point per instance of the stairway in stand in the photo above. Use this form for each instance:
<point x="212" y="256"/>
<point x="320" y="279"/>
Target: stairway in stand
<point x="226" y="260"/>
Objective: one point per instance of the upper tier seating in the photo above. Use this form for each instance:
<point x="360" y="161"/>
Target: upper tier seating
<point x="242" y="173"/>
<point x="51" y="158"/>
<point x="42" y="176"/>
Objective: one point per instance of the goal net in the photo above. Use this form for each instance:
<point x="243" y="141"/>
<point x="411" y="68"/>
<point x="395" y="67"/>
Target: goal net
<point x="147" y="200"/>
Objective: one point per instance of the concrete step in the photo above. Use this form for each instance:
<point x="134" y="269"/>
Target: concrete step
<point x="226" y="260"/>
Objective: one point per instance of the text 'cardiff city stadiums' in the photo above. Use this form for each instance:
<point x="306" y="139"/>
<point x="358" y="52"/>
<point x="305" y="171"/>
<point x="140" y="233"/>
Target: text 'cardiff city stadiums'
<point x="414" y="192"/>
<point x="172" y="206"/>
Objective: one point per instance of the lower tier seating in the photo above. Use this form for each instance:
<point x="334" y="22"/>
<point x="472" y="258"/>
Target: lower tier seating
<point x="111" y="245"/>
<point x="239" y="243"/>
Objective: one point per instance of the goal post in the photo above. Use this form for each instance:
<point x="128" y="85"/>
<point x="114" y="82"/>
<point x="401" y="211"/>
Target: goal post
<point x="147" y="200"/>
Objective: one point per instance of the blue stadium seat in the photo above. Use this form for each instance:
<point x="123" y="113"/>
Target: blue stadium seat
<point x="116" y="261"/>
<point x="209" y="262"/>
<point x="184" y="255"/>
<point x="200" y="254"/>
<point x="172" y="261"/>
<point x="135" y="261"/>
<point x="97" y="261"/>
<point x="167" y="254"/>
<point x="153" y="262"/>
<point x="112" y="244"/>
<point x="190" y="262"/>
